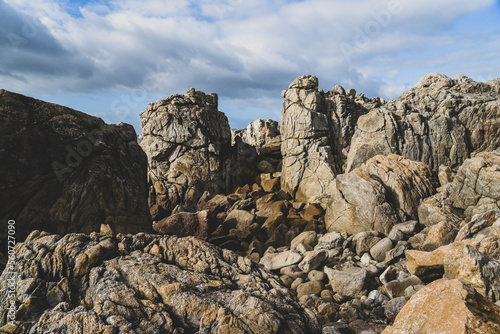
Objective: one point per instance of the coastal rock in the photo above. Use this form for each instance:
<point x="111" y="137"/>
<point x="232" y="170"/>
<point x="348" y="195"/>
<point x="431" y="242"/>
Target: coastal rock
<point x="476" y="188"/>
<point x="447" y="307"/>
<point x="171" y="284"/>
<point x="307" y="170"/>
<point x="65" y="171"/>
<point x="440" y="121"/>
<point x="376" y="196"/>
<point x="185" y="224"/>
<point x="187" y="142"/>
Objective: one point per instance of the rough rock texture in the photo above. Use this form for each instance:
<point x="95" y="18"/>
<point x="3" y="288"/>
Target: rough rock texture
<point x="379" y="194"/>
<point x="475" y="188"/>
<point x="440" y="121"/>
<point x="187" y="141"/>
<point x="447" y="307"/>
<point x="307" y="156"/>
<point x="146" y="284"/>
<point x="260" y="134"/>
<point x="64" y="171"/>
<point x="459" y="260"/>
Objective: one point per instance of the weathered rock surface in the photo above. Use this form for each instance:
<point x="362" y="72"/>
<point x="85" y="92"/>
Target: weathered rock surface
<point x="459" y="260"/>
<point x="447" y="307"/>
<point x="379" y="194"/>
<point x="475" y="188"/>
<point x="440" y="121"/>
<point x="307" y="157"/>
<point x="145" y="284"/>
<point x="64" y="171"/>
<point x="187" y="141"/>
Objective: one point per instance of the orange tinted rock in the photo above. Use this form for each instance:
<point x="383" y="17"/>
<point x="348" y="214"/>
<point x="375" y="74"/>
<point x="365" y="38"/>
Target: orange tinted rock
<point x="447" y="307"/>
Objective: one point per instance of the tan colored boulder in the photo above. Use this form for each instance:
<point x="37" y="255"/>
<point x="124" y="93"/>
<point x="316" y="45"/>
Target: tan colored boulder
<point x="447" y="307"/>
<point x="185" y="224"/>
<point x="459" y="260"/>
<point x="439" y="235"/>
<point x="476" y="187"/>
<point x="379" y="194"/>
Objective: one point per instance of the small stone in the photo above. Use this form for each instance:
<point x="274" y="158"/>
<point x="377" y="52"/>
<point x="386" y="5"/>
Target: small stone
<point x="313" y="260"/>
<point x="308" y="238"/>
<point x="287" y="280"/>
<point x="327" y="295"/>
<point x="298" y="281"/>
<point x="316" y="275"/>
<point x="380" y="248"/>
<point x="310" y="288"/>
<point x="366" y="258"/>
<point x="388" y="275"/>
<point x="393" y="307"/>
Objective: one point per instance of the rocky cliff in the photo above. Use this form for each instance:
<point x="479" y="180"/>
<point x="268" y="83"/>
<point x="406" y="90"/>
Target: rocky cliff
<point x="64" y="171"/>
<point x="353" y="215"/>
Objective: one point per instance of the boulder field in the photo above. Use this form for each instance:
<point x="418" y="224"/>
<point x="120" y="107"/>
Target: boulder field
<point x="351" y="215"/>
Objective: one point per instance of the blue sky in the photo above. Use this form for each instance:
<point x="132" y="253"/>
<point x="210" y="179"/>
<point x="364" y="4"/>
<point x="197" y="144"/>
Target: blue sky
<point x="111" y="58"/>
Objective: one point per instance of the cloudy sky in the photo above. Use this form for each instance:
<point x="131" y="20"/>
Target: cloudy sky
<point x="110" y="58"/>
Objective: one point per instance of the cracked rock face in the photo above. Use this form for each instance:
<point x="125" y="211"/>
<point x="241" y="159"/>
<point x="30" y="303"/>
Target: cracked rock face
<point x="64" y="171"/>
<point x="146" y="284"/>
<point x="379" y="194"/>
<point x="440" y="121"/>
<point x="307" y="156"/>
<point x="187" y="141"/>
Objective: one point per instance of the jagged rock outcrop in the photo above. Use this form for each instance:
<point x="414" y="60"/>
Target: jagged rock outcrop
<point x="261" y="134"/>
<point x="475" y="189"/>
<point x="308" y="163"/>
<point x="440" y="121"/>
<point x="188" y="144"/>
<point x="145" y="284"/>
<point x="447" y="306"/>
<point x="381" y="193"/>
<point x="64" y="171"/>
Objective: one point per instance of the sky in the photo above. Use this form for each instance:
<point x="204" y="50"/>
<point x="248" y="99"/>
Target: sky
<point x="110" y="58"/>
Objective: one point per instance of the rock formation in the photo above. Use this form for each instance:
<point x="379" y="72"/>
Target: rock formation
<point x="376" y="215"/>
<point x="187" y="141"/>
<point x="145" y="283"/>
<point x="440" y="121"/>
<point x="308" y="162"/>
<point x="379" y="194"/>
<point x="447" y="306"/>
<point x="64" y="171"/>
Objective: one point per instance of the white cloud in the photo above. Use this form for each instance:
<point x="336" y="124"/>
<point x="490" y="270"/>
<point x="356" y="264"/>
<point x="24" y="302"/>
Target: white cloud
<point x="245" y="51"/>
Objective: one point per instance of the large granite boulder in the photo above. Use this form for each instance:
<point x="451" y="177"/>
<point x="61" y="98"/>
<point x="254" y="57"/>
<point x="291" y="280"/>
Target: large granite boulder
<point x="384" y="191"/>
<point x="188" y="143"/>
<point x="64" y="171"/>
<point x="476" y="187"/>
<point x="440" y="121"/>
<point x="144" y="284"/>
<point x="447" y="307"/>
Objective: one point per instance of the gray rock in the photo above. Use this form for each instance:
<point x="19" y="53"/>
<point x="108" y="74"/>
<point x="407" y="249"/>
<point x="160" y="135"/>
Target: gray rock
<point x="393" y="307"/>
<point x="307" y="157"/>
<point x="307" y="238"/>
<point x="276" y="261"/>
<point x="440" y="121"/>
<point x="349" y="282"/>
<point x="187" y="141"/>
<point x="380" y="248"/>
<point x="313" y="260"/>
<point x="329" y="241"/>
